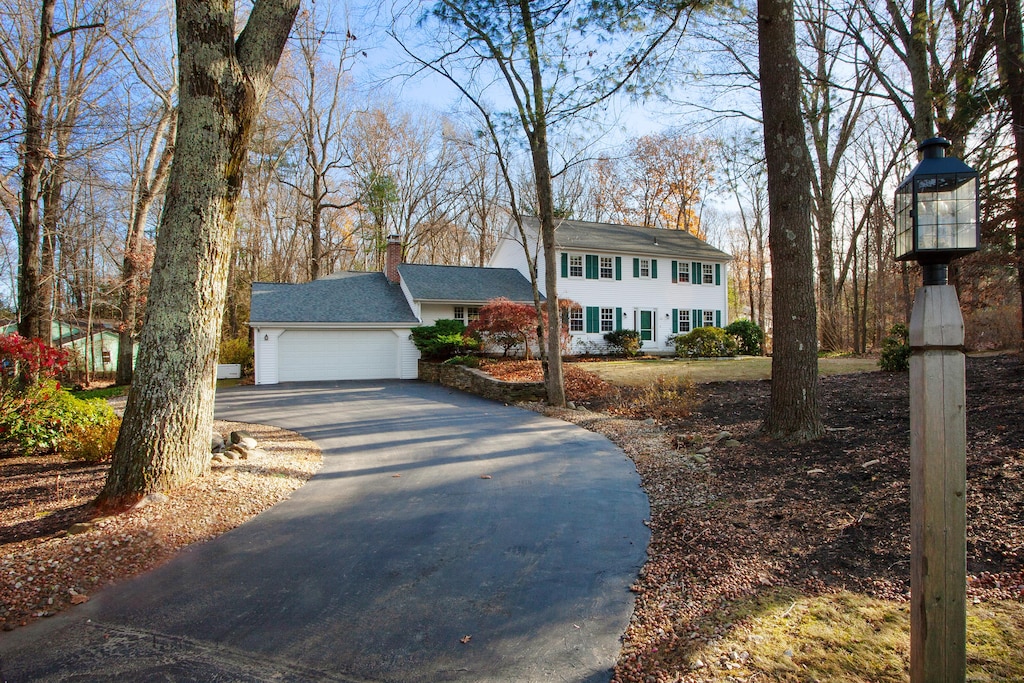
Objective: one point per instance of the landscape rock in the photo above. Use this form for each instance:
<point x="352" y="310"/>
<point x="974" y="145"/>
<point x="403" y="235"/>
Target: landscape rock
<point x="722" y="436"/>
<point x="699" y="459"/>
<point x="237" y="436"/>
<point x="216" y="443"/>
<point x="80" y="528"/>
<point x="730" y="443"/>
<point x="706" y="449"/>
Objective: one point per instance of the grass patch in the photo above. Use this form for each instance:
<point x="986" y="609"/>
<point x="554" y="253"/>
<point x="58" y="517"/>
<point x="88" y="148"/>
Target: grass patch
<point x="644" y="371"/>
<point x="788" y="636"/>
<point x="105" y="392"/>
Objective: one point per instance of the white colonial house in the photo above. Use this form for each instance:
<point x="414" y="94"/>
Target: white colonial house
<point x="356" y="325"/>
<point x="658" y="282"/>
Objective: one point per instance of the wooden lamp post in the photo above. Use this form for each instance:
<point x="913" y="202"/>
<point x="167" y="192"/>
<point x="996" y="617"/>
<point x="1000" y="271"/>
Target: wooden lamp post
<point x="937" y="221"/>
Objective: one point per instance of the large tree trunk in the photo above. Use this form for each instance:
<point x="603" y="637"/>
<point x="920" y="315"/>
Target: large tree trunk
<point x="1011" y="74"/>
<point x="31" y="303"/>
<point x="165" y="436"/>
<point x="793" y="409"/>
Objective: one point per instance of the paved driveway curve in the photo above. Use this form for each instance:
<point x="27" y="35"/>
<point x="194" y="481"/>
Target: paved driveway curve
<point x="381" y="565"/>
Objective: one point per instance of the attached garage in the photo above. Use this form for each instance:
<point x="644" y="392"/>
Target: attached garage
<point x="319" y="331"/>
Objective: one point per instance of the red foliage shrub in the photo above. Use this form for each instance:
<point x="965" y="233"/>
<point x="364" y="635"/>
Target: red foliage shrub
<point x="30" y="359"/>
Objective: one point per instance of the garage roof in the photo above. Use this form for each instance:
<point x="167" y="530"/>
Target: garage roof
<point x="337" y="298"/>
<point x="463" y="283"/>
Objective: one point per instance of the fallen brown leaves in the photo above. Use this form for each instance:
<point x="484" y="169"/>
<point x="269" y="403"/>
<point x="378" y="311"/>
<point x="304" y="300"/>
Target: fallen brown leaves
<point x="44" y="569"/>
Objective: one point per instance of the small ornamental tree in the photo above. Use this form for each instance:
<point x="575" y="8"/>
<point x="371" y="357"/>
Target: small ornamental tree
<point x="507" y="324"/>
<point x="23" y="362"/>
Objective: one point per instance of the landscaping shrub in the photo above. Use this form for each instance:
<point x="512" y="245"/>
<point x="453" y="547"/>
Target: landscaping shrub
<point x="468" y="361"/>
<point x="748" y="335"/>
<point x="237" y="351"/>
<point x="896" y="349"/>
<point x="706" y="342"/>
<point x="442" y="340"/>
<point x="627" y="342"/>
<point x="26" y="361"/>
<point x="38" y="419"/>
<point x="91" y="443"/>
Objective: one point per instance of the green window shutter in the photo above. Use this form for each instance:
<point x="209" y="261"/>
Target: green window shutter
<point x="618" y="318"/>
<point x="675" y="316"/>
<point x="636" y="267"/>
<point x="675" y="271"/>
<point x="718" y="318"/>
<point x="718" y="273"/>
<point x="593" y="319"/>
<point x="565" y="264"/>
<point x="654" y="268"/>
<point x="696" y="318"/>
<point x="618" y="267"/>
<point x="591" y="266"/>
<point x="696" y="276"/>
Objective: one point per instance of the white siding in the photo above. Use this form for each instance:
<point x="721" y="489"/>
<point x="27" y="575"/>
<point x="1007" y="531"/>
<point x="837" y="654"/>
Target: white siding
<point x="431" y="313"/>
<point x="408" y="356"/>
<point x="633" y="294"/>
<point x="265" y="355"/>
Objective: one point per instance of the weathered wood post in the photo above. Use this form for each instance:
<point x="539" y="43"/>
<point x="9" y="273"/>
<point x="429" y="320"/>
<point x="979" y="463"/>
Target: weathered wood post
<point x="938" y="482"/>
<point x="936" y="222"/>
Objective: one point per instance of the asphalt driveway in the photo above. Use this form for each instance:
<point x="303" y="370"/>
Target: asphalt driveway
<point x="436" y="516"/>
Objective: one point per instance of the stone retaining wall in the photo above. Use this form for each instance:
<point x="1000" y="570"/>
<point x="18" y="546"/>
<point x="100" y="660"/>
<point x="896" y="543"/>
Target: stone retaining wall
<point x="477" y="382"/>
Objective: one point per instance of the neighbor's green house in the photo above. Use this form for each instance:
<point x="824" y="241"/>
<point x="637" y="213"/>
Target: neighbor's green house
<point x="95" y="352"/>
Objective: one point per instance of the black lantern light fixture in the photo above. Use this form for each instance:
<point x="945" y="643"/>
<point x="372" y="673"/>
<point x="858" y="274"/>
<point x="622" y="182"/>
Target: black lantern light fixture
<point x="937" y="211"/>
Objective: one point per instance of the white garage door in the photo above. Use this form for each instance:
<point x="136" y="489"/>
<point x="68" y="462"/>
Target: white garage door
<point x="317" y="355"/>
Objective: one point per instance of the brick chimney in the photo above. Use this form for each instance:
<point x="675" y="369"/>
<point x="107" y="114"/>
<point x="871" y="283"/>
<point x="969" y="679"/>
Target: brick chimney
<point x="393" y="258"/>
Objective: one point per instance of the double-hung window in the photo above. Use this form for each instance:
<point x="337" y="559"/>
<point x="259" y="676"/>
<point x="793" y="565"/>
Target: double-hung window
<point x="607" y="319"/>
<point x="576" y="319"/>
<point x="474" y="313"/>
<point x="709" y="273"/>
<point x="684" y="321"/>
<point x="645" y="267"/>
<point x="575" y="265"/>
<point x="607" y="268"/>
<point x="709" y="318"/>
<point x="684" y="272"/>
<point x="460" y="314"/>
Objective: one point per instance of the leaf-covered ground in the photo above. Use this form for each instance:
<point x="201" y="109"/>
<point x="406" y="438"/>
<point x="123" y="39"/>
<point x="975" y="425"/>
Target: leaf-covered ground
<point x="738" y="520"/>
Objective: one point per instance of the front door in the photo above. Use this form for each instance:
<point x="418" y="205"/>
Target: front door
<point x="646" y="325"/>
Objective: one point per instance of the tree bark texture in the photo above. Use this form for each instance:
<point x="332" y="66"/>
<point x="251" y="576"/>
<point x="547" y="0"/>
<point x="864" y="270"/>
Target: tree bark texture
<point x="165" y="436"/>
<point x="793" y="411"/>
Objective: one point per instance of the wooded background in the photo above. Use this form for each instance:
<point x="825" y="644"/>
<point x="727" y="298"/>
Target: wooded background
<point x="347" y="152"/>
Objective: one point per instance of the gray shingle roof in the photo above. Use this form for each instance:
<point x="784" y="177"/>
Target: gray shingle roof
<point x="461" y="283"/>
<point x="337" y="298"/>
<point x="607" y="237"/>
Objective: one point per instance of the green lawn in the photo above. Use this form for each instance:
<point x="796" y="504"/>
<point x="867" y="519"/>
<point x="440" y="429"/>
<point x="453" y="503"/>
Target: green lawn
<point x="643" y="371"/>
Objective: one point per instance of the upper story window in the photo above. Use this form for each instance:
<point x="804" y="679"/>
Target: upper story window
<point x="607" y="268"/>
<point x="576" y="319"/>
<point x="645" y="267"/>
<point x="709" y="273"/>
<point x="684" y="271"/>
<point x="575" y="265"/>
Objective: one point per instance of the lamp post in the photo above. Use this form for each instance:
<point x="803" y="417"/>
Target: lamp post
<point x="937" y="221"/>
